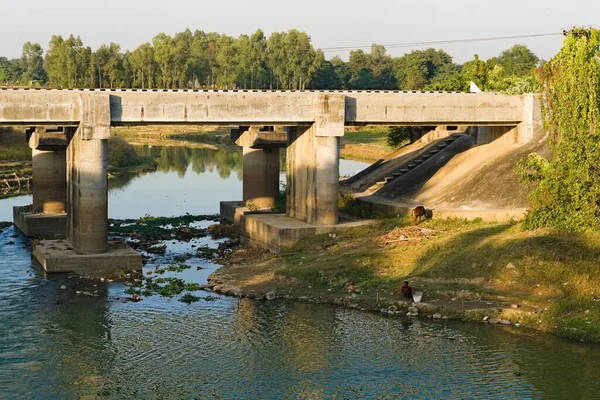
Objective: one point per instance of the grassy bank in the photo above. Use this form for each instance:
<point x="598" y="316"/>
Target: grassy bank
<point x="546" y="280"/>
<point x="178" y="135"/>
<point x="123" y="157"/>
<point x="365" y="144"/>
<point x="360" y="144"/>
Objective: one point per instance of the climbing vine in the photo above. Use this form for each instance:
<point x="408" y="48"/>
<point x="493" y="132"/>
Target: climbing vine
<point x="567" y="192"/>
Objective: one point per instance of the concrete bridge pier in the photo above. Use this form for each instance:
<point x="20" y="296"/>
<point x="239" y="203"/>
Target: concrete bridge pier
<point x="87" y="220"/>
<point x="260" y="177"/>
<point x="313" y="156"/>
<point x="260" y="181"/>
<point x="313" y="176"/>
<point x="87" y="250"/>
<point x="46" y="217"/>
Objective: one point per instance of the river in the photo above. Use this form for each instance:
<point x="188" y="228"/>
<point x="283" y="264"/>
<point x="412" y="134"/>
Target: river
<point x="55" y="344"/>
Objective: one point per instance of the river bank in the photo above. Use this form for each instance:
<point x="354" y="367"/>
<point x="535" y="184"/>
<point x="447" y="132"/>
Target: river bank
<point x="471" y="271"/>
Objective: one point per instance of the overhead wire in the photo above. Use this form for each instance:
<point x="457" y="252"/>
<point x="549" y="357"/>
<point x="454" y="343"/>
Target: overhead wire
<point x="437" y="42"/>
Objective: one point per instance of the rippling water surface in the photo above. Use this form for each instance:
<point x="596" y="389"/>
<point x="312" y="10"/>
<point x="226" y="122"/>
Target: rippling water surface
<point x="55" y="344"/>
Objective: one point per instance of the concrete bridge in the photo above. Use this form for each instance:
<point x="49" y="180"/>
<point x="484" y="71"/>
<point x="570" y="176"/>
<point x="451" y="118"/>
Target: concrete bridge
<point x="70" y="165"/>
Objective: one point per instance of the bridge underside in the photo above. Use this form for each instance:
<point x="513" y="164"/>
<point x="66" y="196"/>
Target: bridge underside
<point x="70" y="166"/>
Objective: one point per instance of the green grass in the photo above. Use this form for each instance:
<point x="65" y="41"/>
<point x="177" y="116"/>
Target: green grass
<point x="13" y="146"/>
<point x="371" y="136"/>
<point x="553" y="271"/>
<point x="366" y="144"/>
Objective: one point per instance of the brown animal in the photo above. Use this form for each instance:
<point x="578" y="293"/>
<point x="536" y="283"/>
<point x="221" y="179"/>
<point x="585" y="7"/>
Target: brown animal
<point x="417" y="213"/>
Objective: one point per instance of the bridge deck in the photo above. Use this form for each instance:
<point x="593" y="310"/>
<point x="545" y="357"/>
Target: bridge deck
<point x="248" y="107"/>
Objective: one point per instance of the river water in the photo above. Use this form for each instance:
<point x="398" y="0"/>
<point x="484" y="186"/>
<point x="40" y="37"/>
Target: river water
<point x="55" y="344"/>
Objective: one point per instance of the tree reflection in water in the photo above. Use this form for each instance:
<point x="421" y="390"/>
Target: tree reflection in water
<point x="178" y="159"/>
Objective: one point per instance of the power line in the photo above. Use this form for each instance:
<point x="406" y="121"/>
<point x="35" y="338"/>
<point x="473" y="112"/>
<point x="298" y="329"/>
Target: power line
<point x="436" y="42"/>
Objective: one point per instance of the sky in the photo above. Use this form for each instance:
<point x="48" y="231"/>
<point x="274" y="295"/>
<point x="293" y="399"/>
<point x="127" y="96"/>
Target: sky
<point x="330" y="23"/>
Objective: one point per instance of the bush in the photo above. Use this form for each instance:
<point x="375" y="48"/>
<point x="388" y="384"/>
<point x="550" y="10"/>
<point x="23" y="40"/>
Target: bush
<point x="398" y="136"/>
<point x="121" y="153"/>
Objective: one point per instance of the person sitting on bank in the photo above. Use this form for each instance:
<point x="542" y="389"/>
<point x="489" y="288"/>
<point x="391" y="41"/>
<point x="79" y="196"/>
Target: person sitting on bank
<point x="406" y="290"/>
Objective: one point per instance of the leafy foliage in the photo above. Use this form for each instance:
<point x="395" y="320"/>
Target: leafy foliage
<point x="532" y="168"/>
<point x="568" y="193"/>
<point x="283" y="60"/>
<point x="397" y="136"/>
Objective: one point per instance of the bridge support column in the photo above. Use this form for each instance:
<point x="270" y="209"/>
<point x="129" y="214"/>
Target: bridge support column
<point x="49" y="181"/>
<point x="87" y="198"/>
<point x="313" y="176"/>
<point x="260" y="170"/>
<point x="313" y="155"/>
<point x="313" y="164"/>
<point x="260" y="177"/>
<point x="46" y="217"/>
<point x="87" y="250"/>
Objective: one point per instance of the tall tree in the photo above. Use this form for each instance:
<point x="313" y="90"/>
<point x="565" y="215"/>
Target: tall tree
<point x="517" y="61"/>
<point x="164" y="56"/>
<point x="142" y="64"/>
<point x="32" y="64"/>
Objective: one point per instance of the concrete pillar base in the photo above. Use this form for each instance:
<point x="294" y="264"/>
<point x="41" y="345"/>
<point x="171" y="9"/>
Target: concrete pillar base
<point x="39" y="225"/>
<point x="233" y="211"/>
<point x="58" y="256"/>
<point x="276" y="232"/>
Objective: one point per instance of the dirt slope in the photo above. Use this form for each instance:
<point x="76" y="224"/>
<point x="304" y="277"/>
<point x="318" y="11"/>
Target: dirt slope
<point x="464" y="176"/>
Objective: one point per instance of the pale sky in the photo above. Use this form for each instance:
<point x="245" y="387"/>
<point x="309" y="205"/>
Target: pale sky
<point x="330" y="23"/>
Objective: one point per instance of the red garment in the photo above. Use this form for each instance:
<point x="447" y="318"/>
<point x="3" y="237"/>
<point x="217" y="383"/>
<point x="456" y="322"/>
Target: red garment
<point x="406" y="290"/>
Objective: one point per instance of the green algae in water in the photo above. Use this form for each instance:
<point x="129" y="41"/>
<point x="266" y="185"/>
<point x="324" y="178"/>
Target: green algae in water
<point x="189" y="298"/>
<point x="183" y="257"/>
<point x="178" y="268"/>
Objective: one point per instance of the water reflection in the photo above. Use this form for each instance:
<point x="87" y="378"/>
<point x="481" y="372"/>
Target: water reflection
<point x="57" y="344"/>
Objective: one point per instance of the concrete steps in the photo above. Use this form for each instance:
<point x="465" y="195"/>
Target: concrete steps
<point x="414" y="163"/>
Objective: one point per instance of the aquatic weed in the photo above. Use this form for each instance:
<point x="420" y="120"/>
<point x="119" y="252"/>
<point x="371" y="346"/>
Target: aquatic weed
<point x="189" y="298"/>
<point x="178" y="268"/>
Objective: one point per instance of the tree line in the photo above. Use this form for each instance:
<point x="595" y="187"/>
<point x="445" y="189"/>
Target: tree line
<point x="284" y="60"/>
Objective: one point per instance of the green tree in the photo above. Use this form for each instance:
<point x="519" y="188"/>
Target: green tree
<point x="181" y="58"/>
<point x="476" y="71"/>
<point x="164" y="56"/>
<point x="517" y="61"/>
<point x="567" y="195"/>
<point x="417" y="69"/>
<point x="143" y="66"/>
<point x="226" y="60"/>
<point x="32" y="64"/>
<point x="326" y="77"/>
<point x="342" y="72"/>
